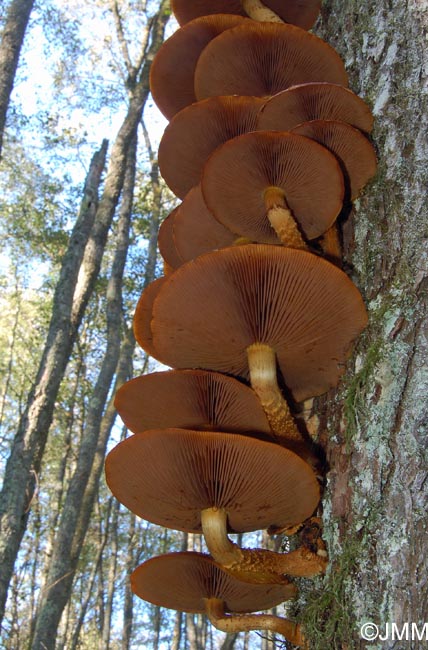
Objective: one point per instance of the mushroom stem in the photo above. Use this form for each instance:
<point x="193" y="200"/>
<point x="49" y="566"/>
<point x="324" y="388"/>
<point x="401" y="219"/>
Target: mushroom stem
<point x="262" y="365"/>
<point x="281" y="218"/>
<point x="256" y="10"/>
<point x="257" y="566"/>
<point x="247" y="622"/>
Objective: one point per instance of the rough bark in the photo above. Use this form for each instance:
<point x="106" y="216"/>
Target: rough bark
<point x="24" y="461"/>
<point x="10" y="48"/>
<point x="375" y="426"/>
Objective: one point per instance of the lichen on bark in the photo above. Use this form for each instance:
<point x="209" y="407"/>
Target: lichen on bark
<point x="376" y="442"/>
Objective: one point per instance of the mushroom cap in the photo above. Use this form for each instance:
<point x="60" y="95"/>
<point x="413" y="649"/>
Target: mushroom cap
<point x="166" y="243"/>
<point x="173" y="68"/>
<point x="302" y="13"/>
<point x="196" y="131"/>
<point x="182" y="581"/>
<point x="353" y="150"/>
<point x="168" y="476"/>
<point x="196" y="231"/>
<point x="210" y="310"/>
<point x="238" y="173"/>
<point x="143" y="316"/>
<point x="190" y="399"/>
<point x="314" y="101"/>
<point x="261" y="59"/>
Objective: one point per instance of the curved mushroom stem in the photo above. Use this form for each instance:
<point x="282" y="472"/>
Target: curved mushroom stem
<point x="262" y="365"/>
<point x="247" y="622"/>
<point x="256" y="10"/>
<point x="330" y="244"/>
<point x="257" y="566"/>
<point x="281" y="218"/>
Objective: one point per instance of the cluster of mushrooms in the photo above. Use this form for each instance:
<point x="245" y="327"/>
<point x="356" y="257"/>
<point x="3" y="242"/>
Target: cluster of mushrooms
<point x="265" y="147"/>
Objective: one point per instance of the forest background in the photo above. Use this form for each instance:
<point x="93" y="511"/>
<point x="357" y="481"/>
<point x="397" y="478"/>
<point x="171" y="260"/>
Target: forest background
<point x="81" y="201"/>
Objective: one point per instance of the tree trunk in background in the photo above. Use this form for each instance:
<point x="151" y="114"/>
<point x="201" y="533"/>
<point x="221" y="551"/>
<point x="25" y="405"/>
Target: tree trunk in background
<point x="10" y="47"/>
<point x="376" y="498"/>
<point x="111" y="578"/>
<point x="130" y="565"/>
<point x="24" y="461"/>
<point x="61" y="571"/>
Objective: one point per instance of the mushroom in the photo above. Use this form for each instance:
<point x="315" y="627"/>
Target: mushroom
<point x="196" y="231"/>
<point x="196" y="131"/>
<point x="171" y="85"/>
<point x="143" y="316"/>
<point x="261" y="59"/>
<point x="357" y="159"/>
<point x="260" y="184"/>
<point x="353" y="150"/>
<point x="314" y="101"/>
<point x="243" y="309"/>
<point x="172" y="259"/>
<point x="190" y="399"/>
<point x="193" y="582"/>
<point x="302" y="13"/>
<point x="214" y="482"/>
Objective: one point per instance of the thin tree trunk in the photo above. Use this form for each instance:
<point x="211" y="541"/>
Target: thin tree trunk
<point x="57" y="592"/>
<point x="74" y="643"/>
<point x="111" y="580"/>
<point x="24" y="461"/>
<point x="176" y="635"/>
<point x="128" y="609"/>
<point x="375" y="503"/>
<point x="10" y="48"/>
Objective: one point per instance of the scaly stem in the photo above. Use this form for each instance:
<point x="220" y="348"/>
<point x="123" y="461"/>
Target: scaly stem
<point x="247" y="622"/>
<point x="256" y="10"/>
<point x="281" y="218"/>
<point x="257" y="566"/>
<point x="262" y="365"/>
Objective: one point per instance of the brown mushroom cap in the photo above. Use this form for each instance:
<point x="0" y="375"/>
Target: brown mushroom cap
<point x="302" y="13"/>
<point x="261" y="59"/>
<point x="182" y="581"/>
<point x="355" y="153"/>
<point x="314" y="101"/>
<point x="143" y="316"/>
<point x="237" y="175"/>
<point x="166" y="242"/>
<point x="196" y="231"/>
<point x="190" y="399"/>
<point x="173" y="68"/>
<point x="210" y="310"/>
<point x="196" y="131"/>
<point x="169" y="476"/>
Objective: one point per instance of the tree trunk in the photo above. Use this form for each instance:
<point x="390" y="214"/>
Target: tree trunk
<point x="375" y="502"/>
<point x="111" y="579"/>
<point x="57" y="590"/>
<point x="10" y="47"/>
<point x="128" y="608"/>
<point x="24" y="461"/>
<point x="27" y="451"/>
